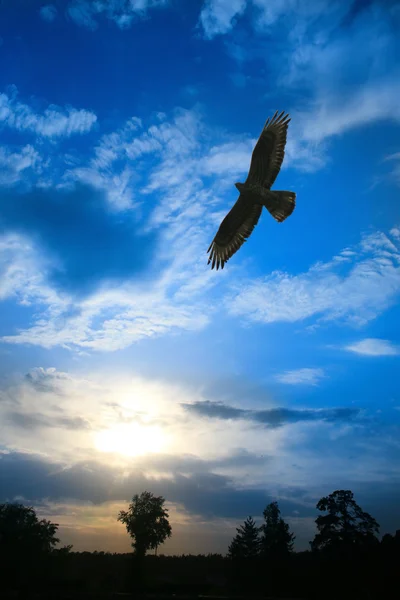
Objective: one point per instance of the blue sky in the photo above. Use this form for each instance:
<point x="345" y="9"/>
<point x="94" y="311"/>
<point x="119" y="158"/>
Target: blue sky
<point x="126" y="363"/>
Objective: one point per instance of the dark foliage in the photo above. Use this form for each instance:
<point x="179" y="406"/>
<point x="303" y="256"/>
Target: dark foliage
<point x="146" y="521"/>
<point x="246" y="543"/>
<point x="25" y="544"/>
<point x="345" y="527"/>
<point x="30" y="562"/>
<point x="276" y="540"/>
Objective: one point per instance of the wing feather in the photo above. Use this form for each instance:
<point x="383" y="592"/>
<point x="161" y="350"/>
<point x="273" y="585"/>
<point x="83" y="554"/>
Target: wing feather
<point x="269" y="151"/>
<point x="233" y="231"/>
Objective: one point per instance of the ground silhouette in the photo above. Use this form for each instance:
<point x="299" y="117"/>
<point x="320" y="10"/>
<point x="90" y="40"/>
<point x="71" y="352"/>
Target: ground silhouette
<point x="346" y="558"/>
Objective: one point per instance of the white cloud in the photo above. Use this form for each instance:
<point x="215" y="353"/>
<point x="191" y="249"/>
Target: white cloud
<point x="13" y="164"/>
<point x="346" y="72"/>
<point x="374" y="347"/>
<point x="395" y="158"/>
<point x="334" y="114"/>
<point x="53" y="123"/>
<point x="372" y="102"/>
<point x="220" y="16"/>
<point x="176" y="296"/>
<point x="48" y="12"/>
<point x="23" y="274"/>
<point x="175" y="177"/>
<point x="217" y="16"/>
<point x="230" y="159"/>
<point x="306" y="376"/>
<point x="356" y="286"/>
<point x="85" y="12"/>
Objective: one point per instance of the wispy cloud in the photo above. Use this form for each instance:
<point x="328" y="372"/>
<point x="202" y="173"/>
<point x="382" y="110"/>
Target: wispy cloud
<point x="306" y="376"/>
<point x="54" y="122"/>
<point x="14" y="164"/>
<point x="374" y="347"/>
<point x="24" y="273"/>
<point x="217" y="16"/>
<point x="340" y="54"/>
<point x="86" y="13"/>
<point x="171" y="162"/>
<point x="395" y="160"/>
<point x="355" y="286"/>
<point x="48" y="13"/>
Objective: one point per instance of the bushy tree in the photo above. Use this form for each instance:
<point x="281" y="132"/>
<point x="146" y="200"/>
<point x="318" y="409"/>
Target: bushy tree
<point x="25" y="542"/>
<point x="21" y="531"/>
<point x="146" y="521"/>
<point x="345" y="525"/>
<point x="276" y="539"/>
<point x="246" y="543"/>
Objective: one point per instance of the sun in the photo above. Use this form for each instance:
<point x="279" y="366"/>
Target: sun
<point x="131" y="439"/>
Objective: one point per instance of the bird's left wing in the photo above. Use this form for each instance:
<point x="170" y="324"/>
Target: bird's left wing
<point x="269" y="151"/>
<point x="233" y="231"/>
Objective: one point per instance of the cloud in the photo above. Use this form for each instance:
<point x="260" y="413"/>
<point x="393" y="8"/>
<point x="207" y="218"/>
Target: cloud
<point x="15" y="164"/>
<point x="49" y="452"/>
<point x="205" y="494"/>
<point x="301" y="376"/>
<point x="86" y="13"/>
<point x="155" y="279"/>
<point x="23" y="273"/>
<point x="150" y="192"/>
<point x="55" y="122"/>
<point x="85" y="241"/>
<point x="273" y="417"/>
<point x="395" y="173"/>
<point x="47" y="380"/>
<point x="355" y="286"/>
<point x="340" y="55"/>
<point x="218" y="16"/>
<point x="48" y="13"/>
<point x="374" y="347"/>
<point x="37" y="421"/>
<point x="371" y="103"/>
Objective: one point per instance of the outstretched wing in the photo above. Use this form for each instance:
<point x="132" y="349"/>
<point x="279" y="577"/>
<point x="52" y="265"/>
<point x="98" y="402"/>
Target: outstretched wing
<point x="269" y="151"/>
<point x="234" y="231"/>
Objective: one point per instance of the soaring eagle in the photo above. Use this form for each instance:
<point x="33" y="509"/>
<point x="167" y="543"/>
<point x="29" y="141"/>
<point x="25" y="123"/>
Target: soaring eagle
<point x="255" y="193"/>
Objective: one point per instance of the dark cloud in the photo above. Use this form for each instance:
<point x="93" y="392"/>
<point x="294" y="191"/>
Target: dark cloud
<point x="272" y="417"/>
<point x="200" y="491"/>
<point x="46" y="380"/>
<point x="35" y="421"/>
<point x="88" y="240"/>
<point x="216" y="410"/>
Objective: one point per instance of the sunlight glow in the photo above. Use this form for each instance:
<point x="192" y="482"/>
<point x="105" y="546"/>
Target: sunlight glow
<point x="131" y="439"/>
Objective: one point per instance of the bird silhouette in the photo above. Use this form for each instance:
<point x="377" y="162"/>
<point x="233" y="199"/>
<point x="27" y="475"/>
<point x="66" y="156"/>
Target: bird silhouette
<point x="255" y="193"/>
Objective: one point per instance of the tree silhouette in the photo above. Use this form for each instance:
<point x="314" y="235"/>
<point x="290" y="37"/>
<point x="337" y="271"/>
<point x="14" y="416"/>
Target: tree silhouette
<point x="22" y="532"/>
<point x="25" y="541"/>
<point x="146" y="521"/>
<point x="246" y="543"/>
<point x="276" y="540"/>
<point x="344" y="525"/>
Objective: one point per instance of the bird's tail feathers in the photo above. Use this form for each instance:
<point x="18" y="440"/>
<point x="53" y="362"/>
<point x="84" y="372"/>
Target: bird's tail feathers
<point x="280" y="204"/>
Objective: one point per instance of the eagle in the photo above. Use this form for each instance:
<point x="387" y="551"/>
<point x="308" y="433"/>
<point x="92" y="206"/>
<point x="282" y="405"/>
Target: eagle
<point x="255" y="193"/>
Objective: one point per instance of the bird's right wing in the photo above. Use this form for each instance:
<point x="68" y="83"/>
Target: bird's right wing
<point x="269" y="151"/>
<point x="233" y="231"/>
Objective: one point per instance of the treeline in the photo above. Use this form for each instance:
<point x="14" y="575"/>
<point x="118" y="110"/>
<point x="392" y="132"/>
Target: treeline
<point x="346" y="558"/>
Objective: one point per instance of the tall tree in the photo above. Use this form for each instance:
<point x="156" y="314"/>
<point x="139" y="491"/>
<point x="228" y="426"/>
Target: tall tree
<point x="246" y="543"/>
<point x="276" y="540"/>
<point x="146" y="521"/>
<point x="25" y="542"/>
<point x="345" y="524"/>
